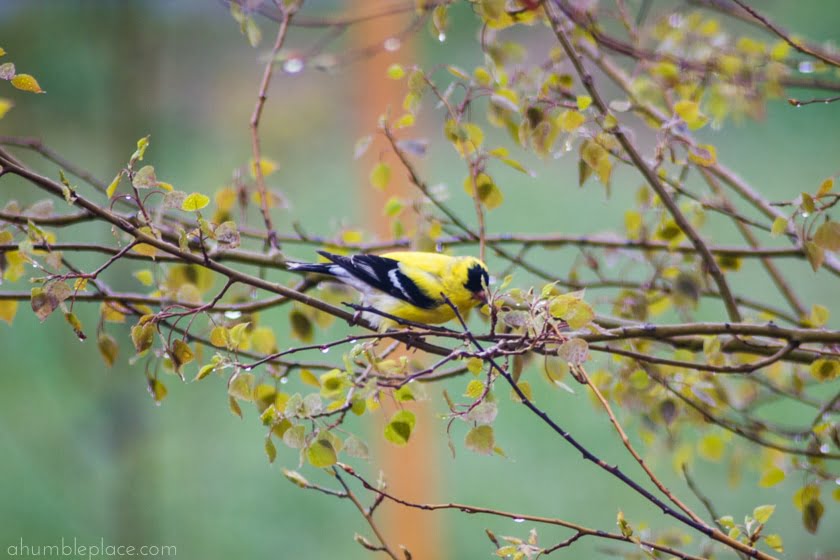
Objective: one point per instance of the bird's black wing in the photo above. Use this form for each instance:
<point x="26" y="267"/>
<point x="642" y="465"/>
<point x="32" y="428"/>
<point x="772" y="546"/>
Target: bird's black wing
<point x="385" y="275"/>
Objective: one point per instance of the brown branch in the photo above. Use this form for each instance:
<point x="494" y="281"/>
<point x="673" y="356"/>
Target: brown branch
<point x="581" y="372"/>
<point x="614" y="470"/>
<point x="367" y="515"/>
<point x="254" y="123"/>
<point x="798" y="45"/>
<point x="743" y="368"/>
<point x="825" y="100"/>
<point x="772" y="270"/>
<point x="650" y="176"/>
<point x="471" y="509"/>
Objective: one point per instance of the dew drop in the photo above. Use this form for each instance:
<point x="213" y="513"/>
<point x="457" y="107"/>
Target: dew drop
<point x="247" y="368"/>
<point x="441" y="37"/>
<point x="439" y="247"/>
<point x="805" y="214"/>
<point x="837" y="481"/>
<point x="806" y="67"/>
<point x="392" y="44"/>
<point x="325" y="349"/>
<point x="293" y="65"/>
<point x="233" y="314"/>
<point x="519" y="520"/>
<point x="824" y="448"/>
<point x="284" y="380"/>
<point x="353" y="341"/>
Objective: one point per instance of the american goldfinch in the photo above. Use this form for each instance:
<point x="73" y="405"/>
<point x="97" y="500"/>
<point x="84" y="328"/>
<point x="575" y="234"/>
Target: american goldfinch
<point x="408" y="284"/>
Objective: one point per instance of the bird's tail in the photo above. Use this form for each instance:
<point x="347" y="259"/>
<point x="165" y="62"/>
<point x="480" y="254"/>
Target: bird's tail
<point x="320" y="268"/>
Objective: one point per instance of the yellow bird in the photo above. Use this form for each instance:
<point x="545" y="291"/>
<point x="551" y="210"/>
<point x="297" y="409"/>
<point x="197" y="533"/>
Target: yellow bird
<point x="408" y="284"/>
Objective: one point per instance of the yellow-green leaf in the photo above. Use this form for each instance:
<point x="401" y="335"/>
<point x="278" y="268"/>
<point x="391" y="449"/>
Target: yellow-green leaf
<point x="711" y="447"/>
<point x="703" y="154"/>
<point x="157" y="390"/>
<point x="774" y="541"/>
<point x="825" y="369"/>
<point x="763" y="513"/>
<point x="195" y="201"/>
<point x="396" y="72"/>
<point x="481" y="439"/>
<point x="779" y="226"/>
<point x="400" y="426"/>
<point x="321" y="453"/>
<point x="827" y="236"/>
<point x="144" y="276"/>
<point x="771" y="477"/>
<point x="8" y="309"/>
<point x="380" y="175"/>
<point x="5" y="105"/>
<point x="583" y="101"/>
<point x="267" y="167"/>
<point x="108" y="348"/>
<point x="25" y="82"/>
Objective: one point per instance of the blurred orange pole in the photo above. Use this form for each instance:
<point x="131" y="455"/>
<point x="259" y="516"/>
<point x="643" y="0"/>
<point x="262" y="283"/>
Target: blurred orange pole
<point x="410" y="471"/>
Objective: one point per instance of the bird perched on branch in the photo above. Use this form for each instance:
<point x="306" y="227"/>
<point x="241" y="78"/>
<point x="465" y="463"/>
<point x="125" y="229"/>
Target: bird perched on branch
<point x="408" y="284"/>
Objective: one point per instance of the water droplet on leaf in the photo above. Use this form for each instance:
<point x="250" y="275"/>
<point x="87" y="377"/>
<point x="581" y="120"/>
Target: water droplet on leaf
<point x="293" y="65"/>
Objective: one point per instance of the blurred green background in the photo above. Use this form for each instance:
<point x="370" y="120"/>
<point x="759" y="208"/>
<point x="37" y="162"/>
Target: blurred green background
<point x="85" y="451"/>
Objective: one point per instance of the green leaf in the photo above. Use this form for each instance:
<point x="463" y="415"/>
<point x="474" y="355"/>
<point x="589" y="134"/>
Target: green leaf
<point x="808" y="203"/>
<point x="399" y="427"/>
<point x="270" y="450"/>
<point x="480" y="439"/>
<point x="321" y="453"/>
<point x="194" y="202"/>
<point x="762" y="514"/>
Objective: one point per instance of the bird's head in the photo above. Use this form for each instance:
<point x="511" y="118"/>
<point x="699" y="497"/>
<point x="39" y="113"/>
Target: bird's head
<point x="475" y="278"/>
